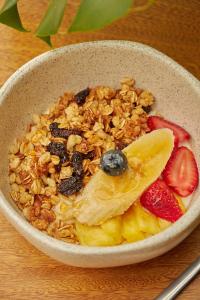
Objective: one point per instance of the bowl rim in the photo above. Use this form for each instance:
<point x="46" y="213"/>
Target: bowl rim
<point x="180" y="226"/>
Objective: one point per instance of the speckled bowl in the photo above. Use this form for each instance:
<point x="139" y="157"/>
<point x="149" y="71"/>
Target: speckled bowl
<point x="39" y="82"/>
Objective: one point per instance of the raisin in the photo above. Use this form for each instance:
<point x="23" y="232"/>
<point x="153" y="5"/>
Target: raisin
<point x="53" y="126"/>
<point x="134" y="105"/>
<point x="59" y="150"/>
<point x="63" y="132"/>
<point x="78" y="171"/>
<point x="56" y="148"/>
<point x="90" y="155"/>
<point x="77" y="158"/>
<point x="147" y="109"/>
<point x="70" y="185"/>
<point x="63" y="158"/>
<point x="58" y="167"/>
<point x="121" y="145"/>
<point x="77" y="164"/>
<point x="81" y="96"/>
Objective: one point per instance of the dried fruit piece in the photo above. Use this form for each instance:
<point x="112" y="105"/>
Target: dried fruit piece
<point x="90" y="155"/>
<point x="160" y="201"/>
<point x="53" y="126"/>
<point x="120" y="145"/>
<point x="181" y="135"/>
<point x="181" y="172"/>
<point x="59" y="150"/>
<point x="58" y="167"/>
<point x="70" y="185"/>
<point x="63" y="158"/>
<point x="56" y="148"/>
<point x="77" y="158"/>
<point x="77" y="164"/>
<point x="62" y="132"/>
<point x="81" y="96"/>
<point x="147" y="109"/>
<point x="78" y="171"/>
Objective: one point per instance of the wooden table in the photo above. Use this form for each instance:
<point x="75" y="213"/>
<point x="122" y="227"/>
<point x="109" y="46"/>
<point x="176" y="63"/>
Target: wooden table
<point x="25" y="273"/>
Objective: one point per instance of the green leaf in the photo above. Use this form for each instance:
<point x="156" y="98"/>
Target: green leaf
<point x="9" y="15"/>
<point x="96" y="14"/>
<point x="52" y="20"/>
<point x="46" y="39"/>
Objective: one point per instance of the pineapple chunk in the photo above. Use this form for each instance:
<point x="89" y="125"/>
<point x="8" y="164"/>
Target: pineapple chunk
<point x="147" y="222"/>
<point x="130" y="229"/>
<point x="139" y="224"/>
<point x="134" y="225"/>
<point x="107" y="234"/>
<point x="113" y="227"/>
<point x="146" y="235"/>
<point x="164" y="224"/>
<point x="180" y="202"/>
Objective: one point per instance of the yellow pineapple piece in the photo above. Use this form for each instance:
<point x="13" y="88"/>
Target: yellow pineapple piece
<point x="107" y="234"/>
<point x="130" y="229"/>
<point x="92" y="236"/>
<point x="146" y="235"/>
<point x="113" y="227"/>
<point x="105" y="197"/>
<point x="180" y="202"/>
<point x="147" y="222"/>
<point x="139" y="224"/>
<point x="164" y="224"/>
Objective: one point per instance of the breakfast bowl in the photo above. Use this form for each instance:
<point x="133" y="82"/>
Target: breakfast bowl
<point x="41" y="81"/>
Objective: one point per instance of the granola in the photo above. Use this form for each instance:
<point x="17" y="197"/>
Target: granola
<point x="61" y="150"/>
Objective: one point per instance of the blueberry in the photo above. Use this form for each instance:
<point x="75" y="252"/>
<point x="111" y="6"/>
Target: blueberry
<point x="114" y="162"/>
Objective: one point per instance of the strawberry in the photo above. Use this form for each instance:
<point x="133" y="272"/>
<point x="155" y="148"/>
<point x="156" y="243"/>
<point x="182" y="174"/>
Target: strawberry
<point x="181" y="172"/>
<point x="180" y="134"/>
<point x="160" y="201"/>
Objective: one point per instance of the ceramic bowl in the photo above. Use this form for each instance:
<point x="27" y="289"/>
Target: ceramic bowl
<point x="39" y="82"/>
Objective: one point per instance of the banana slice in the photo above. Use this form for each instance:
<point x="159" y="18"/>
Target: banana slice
<point x="105" y="197"/>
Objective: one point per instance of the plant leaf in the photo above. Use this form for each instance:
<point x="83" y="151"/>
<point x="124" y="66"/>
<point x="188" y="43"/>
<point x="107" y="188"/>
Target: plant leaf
<point x="9" y="15"/>
<point x="143" y="7"/>
<point x="46" y="39"/>
<point x="52" y="20"/>
<point x="96" y="14"/>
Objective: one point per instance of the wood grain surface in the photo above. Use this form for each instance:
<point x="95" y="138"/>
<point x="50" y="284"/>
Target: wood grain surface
<point x="25" y="273"/>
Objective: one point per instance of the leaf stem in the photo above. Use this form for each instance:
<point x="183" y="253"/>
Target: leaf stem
<point x="143" y="7"/>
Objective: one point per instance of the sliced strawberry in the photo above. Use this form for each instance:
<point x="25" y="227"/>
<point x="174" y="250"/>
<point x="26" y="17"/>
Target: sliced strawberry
<point x="181" y="172"/>
<point x="160" y="201"/>
<point x="180" y="134"/>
